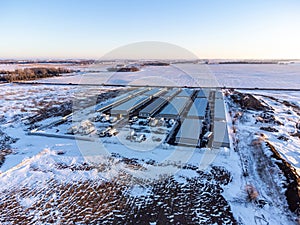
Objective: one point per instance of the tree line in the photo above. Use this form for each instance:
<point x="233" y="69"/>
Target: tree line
<point x="31" y="73"/>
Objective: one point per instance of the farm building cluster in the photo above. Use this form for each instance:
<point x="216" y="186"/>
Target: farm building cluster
<point x="192" y="117"/>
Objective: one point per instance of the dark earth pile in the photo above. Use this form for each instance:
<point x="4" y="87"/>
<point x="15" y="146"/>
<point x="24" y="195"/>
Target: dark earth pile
<point x="248" y="101"/>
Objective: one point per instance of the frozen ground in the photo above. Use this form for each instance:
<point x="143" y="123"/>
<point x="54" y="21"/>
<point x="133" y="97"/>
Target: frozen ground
<point x="286" y="107"/>
<point x="48" y="180"/>
<point x="259" y="135"/>
<point x="261" y="76"/>
<point x="239" y="76"/>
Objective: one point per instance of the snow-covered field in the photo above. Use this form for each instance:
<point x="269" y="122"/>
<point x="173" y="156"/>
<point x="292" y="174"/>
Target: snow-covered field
<point x="260" y="76"/>
<point x="238" y="76"/>
<point x="286" y="106"/>
<point x="49" y="180"/>
<point x="255" y="133"/>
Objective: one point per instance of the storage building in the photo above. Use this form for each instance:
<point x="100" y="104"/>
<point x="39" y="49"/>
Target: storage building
<point x="187" y="93"/>
<point x="220" y="136"/>
<point x="129" y="106"/>
<point x="189" y="132"/>
<point x="154" y="92"/>
<point x="119" y="99"/>
<point x="198" y="108"/>
<point x="219" y="110"/>
<point x="171" y="93"/>
<point x="174" y="108"/>
<point x="201" y="94"/>
<point x="219" y="95"/>
<point x="154" y="107"/>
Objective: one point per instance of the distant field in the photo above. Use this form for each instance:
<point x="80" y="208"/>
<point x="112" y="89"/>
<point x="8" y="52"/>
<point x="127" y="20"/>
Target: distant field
<point x="229" y="75"/>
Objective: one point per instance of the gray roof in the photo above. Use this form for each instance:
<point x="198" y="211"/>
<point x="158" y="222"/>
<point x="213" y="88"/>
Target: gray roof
<point x="219" y="111"/>
<point x="175" y="107"/>
<point x="153" y="91"/>
<point x="198" y="108"/>
<point x="172" y="92"/>
<point x="186" y="93"/>
<point x="189" y="131"/>
<point x="129" y="105"/>
<point x="135" y="91"/>
<point x="219" y="95"/>
<point x="153" y="107"/>
<point x="201" y="94"/>
<point x="221" y="137"/>
<point x="119" y="99"/>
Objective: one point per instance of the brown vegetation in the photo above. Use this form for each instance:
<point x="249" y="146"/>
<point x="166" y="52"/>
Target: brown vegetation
<point x="155" y="64"/>
<point x="31" y="73"/>
<point x="252" y="192"/>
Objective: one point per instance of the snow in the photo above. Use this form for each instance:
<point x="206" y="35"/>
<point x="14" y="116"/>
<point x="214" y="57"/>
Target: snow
<point x="256" y="75"/>
<point x="289" y="150"/>
<point x="265" y="176"/>
<point x="215" y="75"/>
<point x="27" y="202"/>
<point x="137" y="191"/>
<point x="37" y="160"/>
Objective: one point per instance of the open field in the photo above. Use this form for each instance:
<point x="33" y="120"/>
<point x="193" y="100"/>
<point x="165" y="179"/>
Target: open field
<point x="119" y="180"/>
<point x="237" y="76"/>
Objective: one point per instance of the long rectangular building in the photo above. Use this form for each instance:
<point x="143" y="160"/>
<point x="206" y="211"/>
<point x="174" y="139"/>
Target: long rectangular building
<point x="219" y="94"/>
<point x="219" y="110"/>
<point x="119" y="99"/>
<point x="174" y="108"/>
<point x="189" y="132"/>
<point x="127" y="107"/>
<point x="201" y="94"/>
<point x="186" y="93"/>
<point x="152" y="108"/>
<point x="220" y="136"/>
<point x="171" y="93"/>
<point x="198" y="108"/>
<point x="154" y="92"/>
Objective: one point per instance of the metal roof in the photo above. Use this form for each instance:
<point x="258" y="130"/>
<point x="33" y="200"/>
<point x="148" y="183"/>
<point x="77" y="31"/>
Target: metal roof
<point x="129" y="105"/>
<point x="186" y="93"/>
<point x="221" y="137"/>
<point x="201" y="94"/>
<point x="198" y="108"/>
<point x="172" y="92"/>
<point x="154" y="91"/>
<point x="119" y="99"/>
<point x="219" y="95"/>
<point x="175" y="107"/>
<point x="135" y="91"/>
<point x="189" y="132"/>
<point x="150" y="109"/>
<point x="219" y="111"/>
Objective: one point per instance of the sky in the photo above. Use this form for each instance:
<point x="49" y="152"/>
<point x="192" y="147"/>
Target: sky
<point x="221" y="29"/>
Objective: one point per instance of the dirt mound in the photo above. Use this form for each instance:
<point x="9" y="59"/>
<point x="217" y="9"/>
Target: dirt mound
<point x="293" y="180"/>
<point x="270" y="129"/>
<point x="248" y="101"/>
<point x="266" y="117"/>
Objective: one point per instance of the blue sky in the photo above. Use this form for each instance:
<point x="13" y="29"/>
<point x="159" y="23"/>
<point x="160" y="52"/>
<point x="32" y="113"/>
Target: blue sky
<point x="90" y="28"/>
